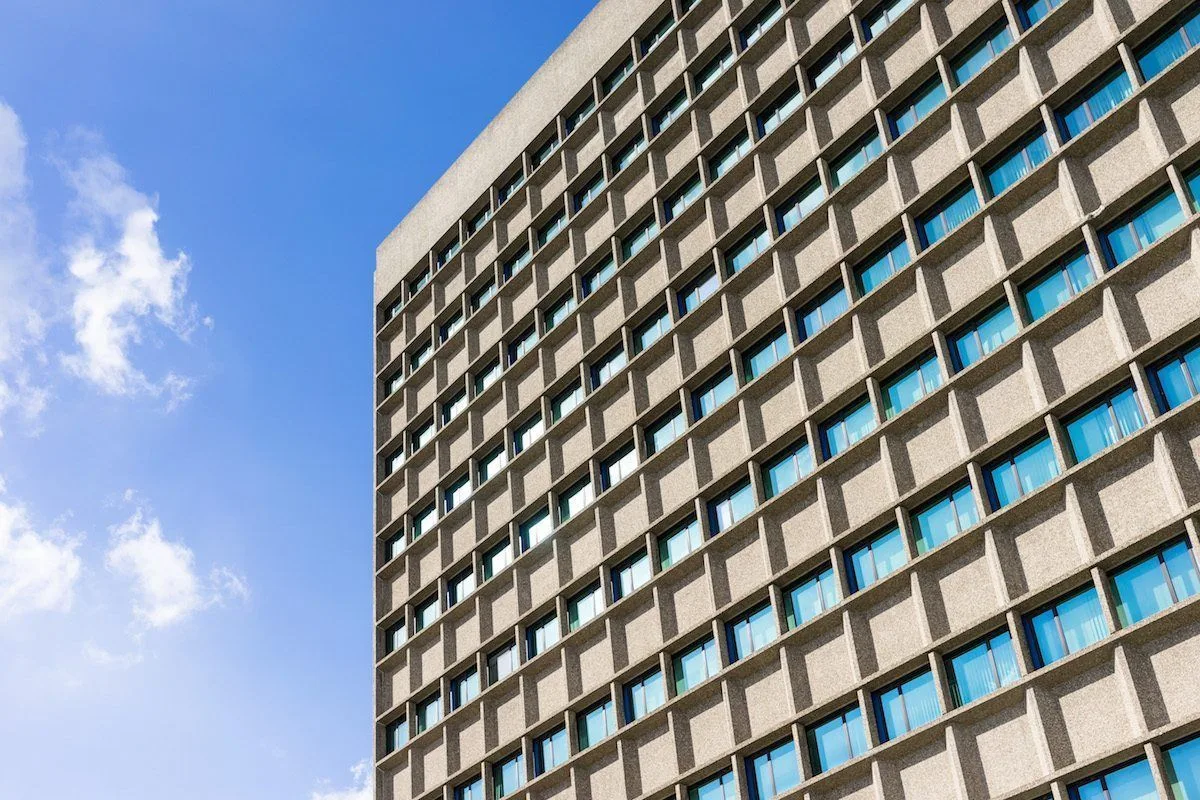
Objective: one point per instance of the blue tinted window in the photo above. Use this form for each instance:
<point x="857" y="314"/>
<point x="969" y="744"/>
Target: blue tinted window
<point x="837" y="740"/>
<point x="907" y="706"/>
<point x="1022" y="472"/>
<point x="678" y="543"/>
<point x="876" y="559"/>
<point x="774" y="771"/>
<point x="917" y="107"/>
<point x="1066" y="626"/>
<point x="941" y="520"/>
<point x="680" y="201"/>
<point x="983" y="668"/>
<point x="786" y="469"/>
<point x="828" y="307"/>
<point x="1017" y="162"/>
<point x="983" y="336"/>
<point x="732" y="506"/>
<point x="1175" y="379"/>
<point x="644" y="695"/>
<point x="840" y="432"/>
<point x="980" y="54"/>
<point x="630" y="576"/>
<point x="670" y="112"/>
<point x="882" y="265"/>
<point x="1032" y="11"/>
<point x="745" y="251"/>
<point x="799" y="205"/>
<point x="666" y="430"/>
<point x="782" y="108"/>
<point x="1183" y="769"/>
<point x="1155" y="583"/>
<point x="948" y="215"/>
<point x="757" y="27"/>
<point x="712" y="394"/>
<point x="509" y="775"/>
<point x="718" y="788"/>
<point x="470" y="791"/>
<point x="851" y="162"/>
<point x="695" y="665"/>
<point x="598" y="276"/>
<point x="596" y="723"/>
<point x="652" y="329"/>
<point x="765" y="354"/>
<point x="1104" y="424"/>
<point x="829" y="64"/>
<point x="1130" y="782"/>
<point x="1062" y="282"/>
<point x="1180" y="36"/>
<point x="658" y="33"/>
<point x="713" y="69"/>
<point x="1142" y="227"/>
<point x="811" y="597"/>
<point x="698" y="290"/>
<point x="914" y="383"/>
<point x="1093" y="103"/>
<point x="550" y="750"/>
<point x="878" y="20"/>
<point x="635" y="242"/>
<point x="751" y="632"/>
<point x="731" y="154"/>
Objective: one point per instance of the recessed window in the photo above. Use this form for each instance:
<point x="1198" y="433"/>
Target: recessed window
<point x="510" y="188"/>
<point x="665" y="430"/>
<point x="884" y="15"/>
<point x="1155" y="582"/>
<point x="1017" y="162"/>
<point x="730" y="154"/>
<point x="450" y="327"/>
<point x="491" y="464"/>
<point x="628" y="153"/>
<point x="590" y="191"/>
<point x="583" y="607"/>
<point x="479" y="220"/>
<point x="517" y="262"/>
<point x="828" y="306"/>
<point x="581" y="112"/>
<point x="906" y="706"/>
<point x="458" y="493"/>
<point x="619" y="466"/>
<point x="875" y="559"/>
<point x="713" y="69"/>
<point x="470" y="791"/>
<point x="982" y="335"/>
<point x="759" y="25"/>
<point x="727" y="509"/>
<point x="1174" y="380"/>
<point x="780" y="109"/>
<point x="832" y="62"/>
<point x="848" y="427"/>
<point x="945" y="517"/>
<point x="609" y="365"/>
<point x="1183" y="769"/>
<point x="396" y="734"/>
<point x="525" y="435"/>
<point x="682" y="199"/>
<point x="836" y="740"/>
<point x="883" y="264"/>
<point x="508" y="775"/>
<point x="720" y="787"/>
<point x="395" y="546"/>
<point x="618" y="75"/>
<point x="799" y="205"/>
<point x="552" y="228"/>
<point x="670" y="112"/>
<point x="636" y="241"/>
<point x="1066" y="626"/>
<point x="395" y="637"/>
<point x="501" y="663"/>
<point x="535" y="530"/>
<point x="393" y="383"/>
<point x="1067" y="278"/>
<point x="1104" y="424"/>
<point x="550" y="750"/>
<point x="419" y="356"/>
<point x="652" y="329"/>
<point x="1022" y="472"/>
<point x="460" y="587"/>
<point x="811" y="597"/>
<point x="429" y="713"/>
<point x="765" y="353"/>
<point x="566" y="401"/>
<point x="541" y="635"/>
<point x="455" y="406"/>
<point x="522" y="344"/>
<point x="695" y="665"/>
<point x="1130" y="782"/>
<point x="393" y="310"/>
<point x="856" y="157"/>
<point x="711" y="394"/>
<point x="483" y="294"/>
<point x="698" y="290"/>
<point x="425" y="614"/>
<point x="464" y="688"/>
<point x="904" y="390"/>
<point x="1180" y="36"/>
<point x="935" y="224"/>
<point x="787" y="468"/>
<point x="982" y="668"/>
<point x="574" y="499"/>
<point x="774" y="771"/>
<point x="658" y="33"/>
<point x="1032" y="11"/>
<point x="423" y="521"/>
<point x="678" y="543"/>
<point x="448" y="252"/>
<point x="596" y="723"/>
<point x="1142" y="227"/>
<point x="1192" y="179"/>
<point x="630" y="575"/>
<point x="981" y="53"/>
<point x="418" y="283"/>
<point x="1093" y="103"/>
<point x="917" y="107"/>
<point x="422" y="436"/>
<point x="559" y="312"/>
<point x="751" y="632"/>
<point x="598" y="276"/>
<point x="545" y="151"/>
<point x="496" y="559"/>
<point x="644" y="695"/>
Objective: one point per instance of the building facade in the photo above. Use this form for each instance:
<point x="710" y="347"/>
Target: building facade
<point x="792" y="398"/>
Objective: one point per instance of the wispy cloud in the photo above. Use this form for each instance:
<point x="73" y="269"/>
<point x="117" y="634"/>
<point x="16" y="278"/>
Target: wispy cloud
<point x="38" y="570"/>
<point x="363" y="787"/>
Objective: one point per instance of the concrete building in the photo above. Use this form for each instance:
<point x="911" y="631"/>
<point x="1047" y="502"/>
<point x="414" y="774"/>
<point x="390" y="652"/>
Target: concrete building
<point x="794" y="399"/>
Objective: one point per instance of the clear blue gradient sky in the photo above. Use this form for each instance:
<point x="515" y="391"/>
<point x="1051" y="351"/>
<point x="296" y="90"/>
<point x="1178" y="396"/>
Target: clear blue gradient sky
<point x="190" y="198"/>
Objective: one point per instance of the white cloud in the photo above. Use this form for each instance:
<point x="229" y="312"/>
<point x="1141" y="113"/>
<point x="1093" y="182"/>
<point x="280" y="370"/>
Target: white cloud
<point x="103" y="658"/>
<point x="38" y="571"/>
<point x="362" y="788"/>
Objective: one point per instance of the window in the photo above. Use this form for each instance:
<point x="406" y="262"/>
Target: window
<point x="758" y="26"/>
<point x="982" y="336"/>
<point x="483" y="294"/>
<point x="418" y="283"/>
<point x="666" y="430"/>
<point x="713" y="69"/>
<point x="596" y="723"/>
<point x="1183" y="769"/>
<point x="393" y="309"/>
<point x="581" y="112"/>
<point x="670" y="112"/>
<point x="509" y="775"/>
<point x="935" y="224"/>
<point x="1169" y="46"/>
<point x="566" y="401"/>
<point x="1193" y="184"/>
<point x="1059" y="284"/>
<point x="545" y="151"/>
<point x="395" y="637"/>
<point x="982" y="668"/>
<point x="644" y="695"/>
<point x="559" y="312"/>
<point x="454" y="407"/>
<point x="395" y="546"/>
<point x="598" y="276"/>
<point x="1093" y="103"/>
<point x="729" y="155"/>
<point x="682" y="199"/>
<point x="1155" y="583"/>
<point x="1065" y="627"/>
<point x="786" y="469"/>
<point x="517" y="262"/>
<point x="727" y="509"/>
<point x="884" y="15"/>
<point x="773" y="771"/>
<point x="1174" y="380"/>
<point x="1130" y="782"/>
<point x="1104" y="424"/>
<point x="942" y="519"/>
<point x="470" y="791"/>
<point x="502" y="662"/>
<point x="575" y="499"/>
<point x="847" y="428"/>
<point x="510" y="188"/>
<point x="628" y="153"/>
<point x="799" y="205"/>
<point x="713" y="393"/>
<point x="658" y="33"/>
<point x="618" y="75"/>
<point x="718" y="788"/>
<point x="811" y="597"/>
<point x="423" y="521"/>
<point x="589" y="191"/>
<point x="780" y="109"/>
<point x="429" y="713"/>
<point x="883" y="264"/>
<point x="523" y="344"/>
<point x="535" y="530"/>
<point x="552" y="228"/>
<point x="766" y="353"/>
<point x="875" y="559"/>
<point x="1017" y="162"/>
<point x="1142" y="227"/>
<point x="458" y="492"/>
<point x="527" y="434"/>
<point x="422" y="436"/>
<point x="905" y="389"/>
<point x="396" y="734"/>
<point x="1032" y="11"/>
<point x="618" y="466"/>
<point x="450" y="327"/>
<point x="698" y="290"/>
<point x="652" y="329"/>
<point x="830" y="305"/>
<point x="981" y="52"/>
<point x="497" y="559"/>
<point x="917" y="107"/>
<point x="630" y="575"/>
<point x="425" y="614"/>
<point x="636" y="241"/>
<point x="393" y="383"/>
<point x="1021" y="473"/>
<point x="608" y="365"/>
<point x="479" y="220"/>
<point x="861" y="153"/>
<point x="906" y="706"/>
<point x="584" y="607"/>
<point x="837" y="740"/>
<point x="419" y="357"/>
<point x="491" y="464"/>
<point x="678" y="543"/>
<point x="832" y="62"/>
<point x="695" y="665"/>
<point x="543" y="634"/>
<point x="550" y="750"/>
<point x="464" y="688"/>
<point x="751" y="632"/>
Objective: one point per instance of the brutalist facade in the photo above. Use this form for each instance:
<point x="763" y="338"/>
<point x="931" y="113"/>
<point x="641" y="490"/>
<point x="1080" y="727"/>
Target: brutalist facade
<point x="794" y="399"/>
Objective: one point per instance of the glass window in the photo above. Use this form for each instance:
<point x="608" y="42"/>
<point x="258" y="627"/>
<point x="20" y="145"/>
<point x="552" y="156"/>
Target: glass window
<point x="983" y="335"/>
<point x="1180" y="36"/>
<point x="730" y="154"/>
<point x="396" y="734"/>
<point x="695" y="665"/>
<point x="947" y="516"/>
<point x="1017" y="162"/>
<point x="935" y="224"/>
<point x="811" y="597"/>
<point x="451" y="326"/>
<point x="917" y="107"/>
<point x="884" y="15"/>
<point x="628" y="153"/>
<point x="393" y="383"/>
<point x="1059" y="284"/>
<point x="718" y="788"/>
<point x="1021" y="473"/>
<point x="678" y="543"/>
<point x="479" y="220"/>
<point x="644" y="695"/>
<point x="545" y="151"/>
<point x="510" y="188"/>
<point x="1183" y="769"/>
<point x="419" y="357"/>
<point x="429" y="713"/>
<point x="491" y="464"/>
<point x="670" y="112"/>
<point x="906" y="706"/>
<point x="552" y="228"/>
<point x="779" y="109"/>
<point x="483" y="294"/>
<point x="536" y="529"/>
<point x="883" y="264"/>
<point x="423" y="521"/>
<point x="875" y="559"/>
<point x="589" y="191"/>
<point x="830" y="305"/>
<point x="729" y="508"/>
<point x="422" y="436"/>
<point x="566" y="401"/>
<point x="982" y="668"/>
<point x="713" y="393"/>
<point x="859" y="154"/>
<point x="618" y="466"/>
<point x="751" y="632"/>
<point x="981" y="52"/>
<point x="713" y="69"/>
<point x="1142" y="227"/>
<point x="394" y="461"/>
<point x="395" y="637"/>
<point x="773" y="771"/>
<point x="1093" y="103"/>
<point x="502" y="662"/>
<point x="458" y="492"/>
<point x="395" y="546"/>
<point x="598" y="276"/>
<point x="742" y="254"/>
<point x="618" y="75"/>
<point x="464" y="688"/>
<point x="1174" y="380"/>
<point x="425" y="614"/>
<point x="543" y="634"/>
<point x="837" y="740"/>
<point x="470" y="791"/>
<point x="666" y="430"/>
<point x="596" y="723"/>
<point x="658" y="33"/>
<point x="393" y="309"/>
<point x="581" y="112"/>
<point x="635" y="242"/>
<point x="1032" y="11"/>
<point x="584" y="607"/>
<point x="1130" y="782"/>
<point x="527" y="434"/>
<point x="517" y="262"/>
<point x="550" y="750"/>
<point x="1155" y="583"/>
<point x="766" y="353"/>
<point x="454" y="407"/>
<point x="1104" y="424"/>
<point x="905" y="389"/>
<point x="509" y="775"/>
<point x="698" y="290"/>
<point x="847" y="428"/>
<point x="575" y="499"/>
<point x="1065" y="627"/>
<point x="497" y="559"/>
<point x="630" y="575"/>
<point x="682" y="199"/>
<point x="758" y="26"/>
<point x="786" y="469"/>
<point x="418" y="283"/>
<point x="608" y="365"/>
<point x="799" y="205"/>
<point x="831" y="63"/>
<point x="522" y="344"/>
<point x="652" y="329"/>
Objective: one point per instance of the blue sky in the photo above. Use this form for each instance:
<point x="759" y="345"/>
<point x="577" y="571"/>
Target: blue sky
<point x="190" y="199"/>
